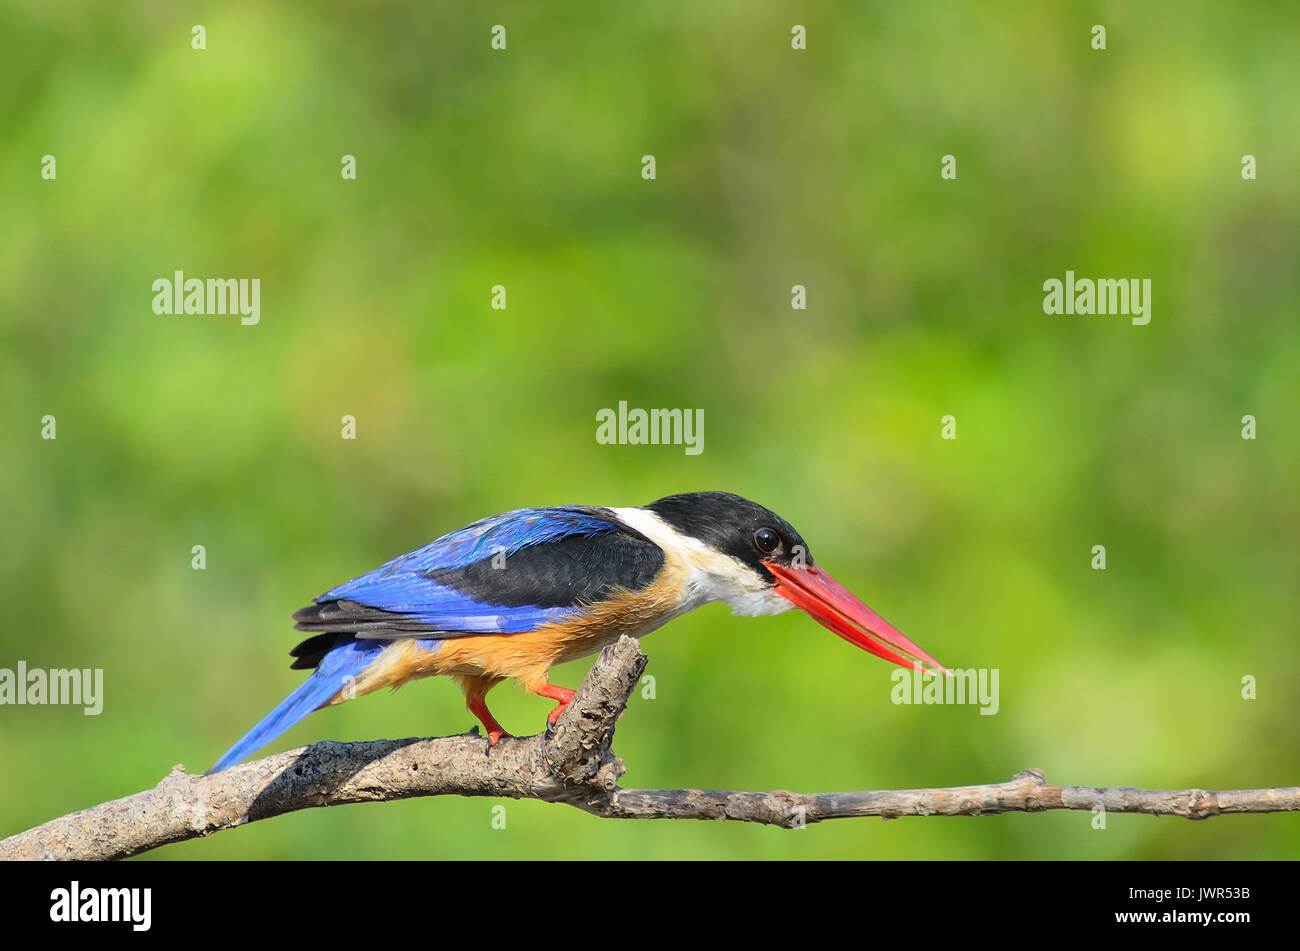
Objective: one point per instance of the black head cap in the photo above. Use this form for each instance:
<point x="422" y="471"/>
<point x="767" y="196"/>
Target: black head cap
<point x="735" y="526"/>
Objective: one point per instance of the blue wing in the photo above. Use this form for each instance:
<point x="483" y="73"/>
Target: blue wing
<point x="403" y="599"/>
<point x="560" y="559"/>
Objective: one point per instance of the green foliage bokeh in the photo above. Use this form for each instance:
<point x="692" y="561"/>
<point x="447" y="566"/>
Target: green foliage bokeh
<point x="775" y="167"/>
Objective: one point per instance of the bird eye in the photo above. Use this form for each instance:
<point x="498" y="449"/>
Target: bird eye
<point x="766" y="540"/>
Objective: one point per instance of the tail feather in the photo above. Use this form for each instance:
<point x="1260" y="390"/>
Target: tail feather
<point x="336" y="670"/>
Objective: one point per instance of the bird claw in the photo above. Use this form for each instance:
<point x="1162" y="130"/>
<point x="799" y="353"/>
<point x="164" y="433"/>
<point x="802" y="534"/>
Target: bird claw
<point x="553" y="717"/>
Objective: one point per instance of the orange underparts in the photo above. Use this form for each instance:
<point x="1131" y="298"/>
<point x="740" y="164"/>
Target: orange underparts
<point x="480" y="662"/>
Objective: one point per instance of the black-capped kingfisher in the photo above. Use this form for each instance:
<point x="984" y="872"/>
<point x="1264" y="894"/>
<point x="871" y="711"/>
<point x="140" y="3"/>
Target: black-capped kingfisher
<point x="513" y="594"/>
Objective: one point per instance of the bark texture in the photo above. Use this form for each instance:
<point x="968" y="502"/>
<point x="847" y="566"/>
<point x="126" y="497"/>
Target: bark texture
<point x="572" y="764"/>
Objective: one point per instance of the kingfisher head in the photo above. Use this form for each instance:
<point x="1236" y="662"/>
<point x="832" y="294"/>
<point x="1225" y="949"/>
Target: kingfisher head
<point x="733" y="550"/>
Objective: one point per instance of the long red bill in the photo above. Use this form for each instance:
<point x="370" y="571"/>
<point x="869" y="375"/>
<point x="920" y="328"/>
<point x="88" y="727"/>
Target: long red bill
<point x="834" y="606"/>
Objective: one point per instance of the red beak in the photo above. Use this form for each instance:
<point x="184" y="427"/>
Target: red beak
<point x="830" y="603"/>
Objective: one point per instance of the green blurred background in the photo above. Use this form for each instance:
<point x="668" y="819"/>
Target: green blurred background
<point x="775" y="168"/>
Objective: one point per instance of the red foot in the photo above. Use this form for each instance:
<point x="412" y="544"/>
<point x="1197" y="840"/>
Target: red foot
<point x="495" y="730"/>
<point x="562" y="694"/>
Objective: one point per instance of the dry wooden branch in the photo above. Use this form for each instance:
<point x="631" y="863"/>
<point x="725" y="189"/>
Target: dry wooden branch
<point x="573" y="764"/>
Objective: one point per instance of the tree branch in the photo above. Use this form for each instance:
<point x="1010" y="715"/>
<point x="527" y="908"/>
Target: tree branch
<point x="573" y="764"/>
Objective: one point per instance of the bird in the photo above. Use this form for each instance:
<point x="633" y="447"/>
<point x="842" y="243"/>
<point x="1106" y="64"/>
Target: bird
<point x="511" y="595"/>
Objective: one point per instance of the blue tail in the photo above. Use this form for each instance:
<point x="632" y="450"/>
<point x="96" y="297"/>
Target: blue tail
<point x="339" y="667"/>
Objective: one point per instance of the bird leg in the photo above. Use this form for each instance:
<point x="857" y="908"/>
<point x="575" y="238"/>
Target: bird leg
<point x="495" y="730"/>
<point x="476" y="689"/>
<point x="547" y="689"/>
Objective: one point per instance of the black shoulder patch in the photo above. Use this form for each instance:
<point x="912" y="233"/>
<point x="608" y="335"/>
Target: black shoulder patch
<point x="576" y="569"/>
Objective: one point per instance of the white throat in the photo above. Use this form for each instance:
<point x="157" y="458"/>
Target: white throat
<point x="707" y="574"/>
